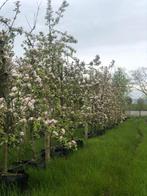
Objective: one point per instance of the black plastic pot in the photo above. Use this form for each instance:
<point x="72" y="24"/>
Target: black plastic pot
<point x="60" y="151"/>
<point x="100" y="132"/>
<point x="32" y="163"/>
<point x="91" y="134"/>
<point x="80" y="143"/>
<point x="20" y="179"/>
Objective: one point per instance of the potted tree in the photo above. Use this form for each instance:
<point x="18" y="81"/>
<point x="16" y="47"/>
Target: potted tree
<point x="10" y="134"/>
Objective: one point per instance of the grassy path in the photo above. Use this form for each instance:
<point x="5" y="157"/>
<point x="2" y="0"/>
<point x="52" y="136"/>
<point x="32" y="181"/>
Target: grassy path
<point x="112" y="165"/>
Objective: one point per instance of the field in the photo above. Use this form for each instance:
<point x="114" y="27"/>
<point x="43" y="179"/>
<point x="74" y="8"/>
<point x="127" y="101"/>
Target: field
<point x="114" y="164"/>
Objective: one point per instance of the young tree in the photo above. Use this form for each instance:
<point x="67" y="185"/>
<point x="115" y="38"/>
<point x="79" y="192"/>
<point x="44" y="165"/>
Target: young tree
<point x="129" y="102"/>
<point x="121" y="83"/>
<point x="139" y="80"/>
<point x="8" y="34"/>
<point x="47" y="54"/>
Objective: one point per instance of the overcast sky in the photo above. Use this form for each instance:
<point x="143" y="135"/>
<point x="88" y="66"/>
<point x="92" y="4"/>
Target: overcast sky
<point x="114" y="29"/>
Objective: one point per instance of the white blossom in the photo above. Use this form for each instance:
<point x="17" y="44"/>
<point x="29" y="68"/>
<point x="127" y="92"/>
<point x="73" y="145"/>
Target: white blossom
<point x="63" y="131"/>
<point x="22" y="133"/>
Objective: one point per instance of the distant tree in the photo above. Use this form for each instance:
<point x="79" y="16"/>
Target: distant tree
<point x="140" y="105"/>
<point x="120" y="79"/>
<point x="121" y="82"/>
<point x="129" y="102"/>
<point x="139" y="79"/>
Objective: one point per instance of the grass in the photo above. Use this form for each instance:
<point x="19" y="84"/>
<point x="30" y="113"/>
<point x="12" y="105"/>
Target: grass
<point x="112" y="165"/>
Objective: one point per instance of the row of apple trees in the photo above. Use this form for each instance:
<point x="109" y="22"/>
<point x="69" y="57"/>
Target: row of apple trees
<point x="48" y="92"/>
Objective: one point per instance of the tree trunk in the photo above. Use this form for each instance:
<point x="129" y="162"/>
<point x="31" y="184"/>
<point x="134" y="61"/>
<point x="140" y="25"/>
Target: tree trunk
<point x="26" y="137"/>
<point x="5" y="158"/>
<point x="47" y="147"/>
<point x="86" y="130"/>
<point x="34" y="149"/>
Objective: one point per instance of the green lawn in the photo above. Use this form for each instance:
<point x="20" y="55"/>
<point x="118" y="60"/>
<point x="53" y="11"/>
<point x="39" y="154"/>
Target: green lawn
<point x="112" y="165"/>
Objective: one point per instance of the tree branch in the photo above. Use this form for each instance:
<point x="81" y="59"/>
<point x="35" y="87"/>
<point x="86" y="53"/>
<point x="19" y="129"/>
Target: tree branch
<point x="3" y="4"/>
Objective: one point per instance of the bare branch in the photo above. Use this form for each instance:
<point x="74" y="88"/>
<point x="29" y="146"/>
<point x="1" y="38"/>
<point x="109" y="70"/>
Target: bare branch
<point x="32" y="28"/>
<point x="3" y="4"/>
<point x="17" y="11"/>
<point x="28" y="22"/>
<point x="140" y="79"/>
<point x="36" y="17"/>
